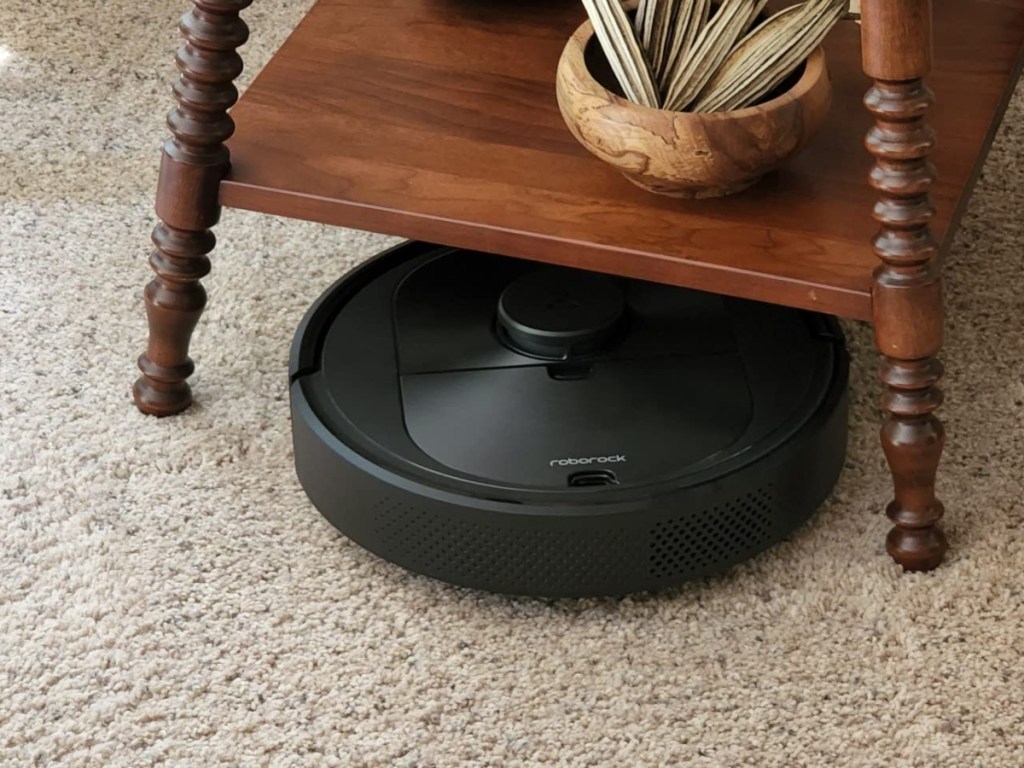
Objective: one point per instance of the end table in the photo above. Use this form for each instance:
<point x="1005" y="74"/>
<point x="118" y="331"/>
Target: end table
<point x="436" y="120"/>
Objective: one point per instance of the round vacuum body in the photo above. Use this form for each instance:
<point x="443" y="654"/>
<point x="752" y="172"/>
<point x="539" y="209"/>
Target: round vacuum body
<point x="529" y="429"/>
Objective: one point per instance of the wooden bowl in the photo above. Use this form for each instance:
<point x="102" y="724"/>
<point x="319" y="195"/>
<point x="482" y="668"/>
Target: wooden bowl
<point x="687" y="154"/>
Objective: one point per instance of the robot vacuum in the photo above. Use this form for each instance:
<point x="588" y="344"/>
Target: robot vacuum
<point x="537" y="430"/>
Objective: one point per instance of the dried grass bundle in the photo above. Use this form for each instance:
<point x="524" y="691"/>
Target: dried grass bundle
<point x="686" y="55"/>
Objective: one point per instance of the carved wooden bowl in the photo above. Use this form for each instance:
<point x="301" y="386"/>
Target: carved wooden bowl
<point x="687" y="154"/>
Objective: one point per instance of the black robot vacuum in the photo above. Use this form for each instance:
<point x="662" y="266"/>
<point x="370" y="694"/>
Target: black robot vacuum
<point x="522" y="428"/>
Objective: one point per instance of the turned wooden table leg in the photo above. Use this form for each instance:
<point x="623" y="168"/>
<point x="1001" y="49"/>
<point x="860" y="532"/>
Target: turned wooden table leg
<point x="193" y="164"/>
<point x="907" y="292"/>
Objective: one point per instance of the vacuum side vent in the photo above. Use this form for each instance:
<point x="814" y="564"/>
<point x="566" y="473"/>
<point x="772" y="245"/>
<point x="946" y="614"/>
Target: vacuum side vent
<point x="728" y="532"/>
<point x="538" y="560"/>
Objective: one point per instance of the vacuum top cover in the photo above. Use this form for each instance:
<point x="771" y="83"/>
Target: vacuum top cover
<point x="524" y="377"/>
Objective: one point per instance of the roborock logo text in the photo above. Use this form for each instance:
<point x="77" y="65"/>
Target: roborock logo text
<point x="615" y="459"/>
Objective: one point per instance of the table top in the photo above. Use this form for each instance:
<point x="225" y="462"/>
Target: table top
<point x="437" y="120"/>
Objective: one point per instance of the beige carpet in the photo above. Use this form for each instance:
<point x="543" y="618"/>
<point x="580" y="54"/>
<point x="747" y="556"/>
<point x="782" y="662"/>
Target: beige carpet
<point x="169" y="597"/>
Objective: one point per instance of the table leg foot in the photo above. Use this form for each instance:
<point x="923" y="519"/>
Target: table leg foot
<point x="913" y="439"/>
<point x="917" y="550"/>
<point x="174" y="303"/>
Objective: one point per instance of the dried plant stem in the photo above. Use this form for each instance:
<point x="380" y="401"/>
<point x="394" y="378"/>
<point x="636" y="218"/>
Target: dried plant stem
<point x="623" y="51"/>
<point x="763" y="59"/>
<point x="687" y="24"/>
<point x="713" y="44"/>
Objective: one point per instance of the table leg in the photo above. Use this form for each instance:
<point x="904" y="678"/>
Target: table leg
<point x="194" y="162"/>
<point x="907" y="293"/>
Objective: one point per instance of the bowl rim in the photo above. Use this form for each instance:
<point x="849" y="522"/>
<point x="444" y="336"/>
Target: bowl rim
<point x="574" y="50"/>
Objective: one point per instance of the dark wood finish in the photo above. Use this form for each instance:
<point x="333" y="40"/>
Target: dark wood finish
<point x="690" y="155"/>
<point x="194" y="162"/>
<point x="907" y="291"/>
<point x="438" y="121"/>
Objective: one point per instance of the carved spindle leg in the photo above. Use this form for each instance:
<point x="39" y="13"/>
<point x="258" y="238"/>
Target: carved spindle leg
<point x="193" y="164"/>
<point x="907" y="293"/>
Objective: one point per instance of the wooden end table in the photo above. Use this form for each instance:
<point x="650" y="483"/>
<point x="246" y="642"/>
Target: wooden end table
<point x="436" y="120"/>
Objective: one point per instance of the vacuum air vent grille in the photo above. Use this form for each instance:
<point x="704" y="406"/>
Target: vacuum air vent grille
<point x="536" y="560"/>
<point x="727" y="532"/>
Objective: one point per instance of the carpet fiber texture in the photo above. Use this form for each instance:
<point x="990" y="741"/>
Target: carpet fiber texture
<point x="169" y="597"/>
